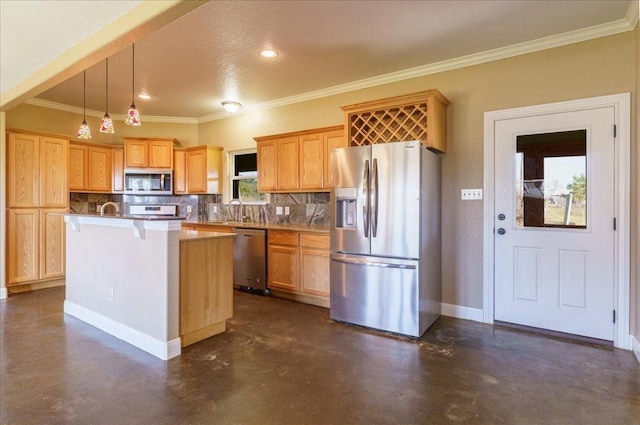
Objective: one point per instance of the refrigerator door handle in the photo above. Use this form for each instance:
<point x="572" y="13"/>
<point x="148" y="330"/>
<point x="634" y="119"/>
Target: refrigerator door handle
<point x="374" y="264"/>
<point x="365" y="195"/>
<point x="374" y="198"/>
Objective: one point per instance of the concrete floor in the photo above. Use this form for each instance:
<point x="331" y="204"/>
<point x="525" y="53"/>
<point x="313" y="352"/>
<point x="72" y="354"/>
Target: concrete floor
<point x="282" y="362"/>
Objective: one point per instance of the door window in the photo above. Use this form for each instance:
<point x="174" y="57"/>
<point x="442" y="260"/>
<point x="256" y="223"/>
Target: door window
<point x="551" y="173"/>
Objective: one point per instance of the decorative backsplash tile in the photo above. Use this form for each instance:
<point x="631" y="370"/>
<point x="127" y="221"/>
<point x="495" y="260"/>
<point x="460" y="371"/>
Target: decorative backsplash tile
<point x="304" y="208"/>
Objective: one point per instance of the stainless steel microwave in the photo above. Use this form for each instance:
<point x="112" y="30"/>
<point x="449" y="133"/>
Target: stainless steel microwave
<point x="148" y="182"/>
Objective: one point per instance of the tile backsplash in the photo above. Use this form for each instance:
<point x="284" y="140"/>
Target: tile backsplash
<point x="303" y="208"/>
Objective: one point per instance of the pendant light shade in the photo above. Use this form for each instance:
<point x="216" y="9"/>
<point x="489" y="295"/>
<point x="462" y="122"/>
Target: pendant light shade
<point x="133" y="117"/>
<point x="84" y="132"/>
<point x="106" y="125"/>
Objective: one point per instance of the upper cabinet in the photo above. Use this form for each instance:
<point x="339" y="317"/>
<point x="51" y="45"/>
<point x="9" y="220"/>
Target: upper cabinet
<point x="148" y="153"/>
<point x="198" y="170"/>
<point x="95" y="168"/>
<point x="36" y="171"/>
<point x="418" y="116"/>
<point x="297" y="162"/>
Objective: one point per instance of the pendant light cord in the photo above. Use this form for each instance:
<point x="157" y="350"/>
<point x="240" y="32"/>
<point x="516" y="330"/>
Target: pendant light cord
<point x="84" y="95"/>
<point x="133" y="67"/>
<point x="106" y="90"/>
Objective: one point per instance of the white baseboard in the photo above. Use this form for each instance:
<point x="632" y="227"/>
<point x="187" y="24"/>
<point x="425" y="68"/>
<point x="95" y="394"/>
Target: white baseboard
<point x="635" y="346"/>
<point x="160" y="349"/>
<point x="3" y="293"/>
<point x="461" y="312"/>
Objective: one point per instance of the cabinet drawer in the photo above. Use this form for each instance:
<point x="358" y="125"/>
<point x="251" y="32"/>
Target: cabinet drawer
<point x="278" y="237"/>
<point x="314" y="240"/>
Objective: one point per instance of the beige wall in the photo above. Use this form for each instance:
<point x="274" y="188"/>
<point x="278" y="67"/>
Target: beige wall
<point x="36" y="118"/>
<point x="594" y="68"/>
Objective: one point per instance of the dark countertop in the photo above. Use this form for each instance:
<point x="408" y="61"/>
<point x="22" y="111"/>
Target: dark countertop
<point x="127" y="216"/>
<point x="266" y="226"/>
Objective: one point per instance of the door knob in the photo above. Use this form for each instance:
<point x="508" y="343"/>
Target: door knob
<point x="501" y="217"/>
<point x="501" y="231"/>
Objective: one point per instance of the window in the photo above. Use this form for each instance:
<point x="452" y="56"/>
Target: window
<point x="244" y="177"/>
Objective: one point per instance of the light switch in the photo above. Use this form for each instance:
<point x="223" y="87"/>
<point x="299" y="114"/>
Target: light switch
<point x="471" y="194"/>
<point x="278" y="210"/>
<point x="286" y="210"/>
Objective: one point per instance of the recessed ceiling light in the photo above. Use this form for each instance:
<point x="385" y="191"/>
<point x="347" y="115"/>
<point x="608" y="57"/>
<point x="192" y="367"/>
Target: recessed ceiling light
<point x="144" y="96"/>
<point x="269" y="54"/>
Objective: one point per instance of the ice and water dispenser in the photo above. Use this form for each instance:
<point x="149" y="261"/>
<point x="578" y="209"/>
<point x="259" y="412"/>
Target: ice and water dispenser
<point x="345" y="213"/>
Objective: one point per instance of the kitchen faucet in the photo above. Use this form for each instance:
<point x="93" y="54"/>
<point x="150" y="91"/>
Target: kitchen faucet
<point x="239" y="213"/>
<point x="106" y="204"/>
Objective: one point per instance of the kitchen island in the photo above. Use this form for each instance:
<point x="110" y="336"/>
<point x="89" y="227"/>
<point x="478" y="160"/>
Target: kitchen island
<point x="129" y="277"/>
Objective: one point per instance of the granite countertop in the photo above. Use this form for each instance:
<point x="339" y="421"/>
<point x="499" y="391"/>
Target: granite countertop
<point x="128" y="216"/>
<point x="266" y="226"/>
<point x="193" y="235"/>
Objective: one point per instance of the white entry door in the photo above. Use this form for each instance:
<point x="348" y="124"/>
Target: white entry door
<point x="554" y="222"/>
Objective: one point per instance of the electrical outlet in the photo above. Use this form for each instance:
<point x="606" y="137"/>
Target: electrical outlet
<point x="278" y="210"/>
<point x="471" y="194"/>
<point x="286" y="210"/>
<point x="98" y="206"/>
<point x="188" y="208"/>
<point x="110" y="296"/>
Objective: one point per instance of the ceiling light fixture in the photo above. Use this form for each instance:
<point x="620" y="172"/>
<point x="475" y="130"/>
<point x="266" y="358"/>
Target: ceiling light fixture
<point x="231" y="106"/>
<point x="269" y="54"/>
<point x="133" y="117"/>
<point x="106" y="125"/>
<point x="84" y="132"/>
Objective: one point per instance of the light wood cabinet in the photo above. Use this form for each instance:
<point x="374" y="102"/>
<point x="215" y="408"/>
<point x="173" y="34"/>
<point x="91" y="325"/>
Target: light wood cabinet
<point x="148" y="153"/>
<point x="298" y="264"/>
<point x="117" y="156"/>
<point x="416" y="116"/>
<point x="204" y="170"/>
<point x="95" y="168"/>
<point x="37" y="191"/>
<point x="207" y="227"/>
<point x="78" y="167"/>
<point x="36" y="171"/>
<point x="297" y="162"/>
<point x="100" y="170"/>
<point x="267" y="165"/>
<point x="179" y="172"/>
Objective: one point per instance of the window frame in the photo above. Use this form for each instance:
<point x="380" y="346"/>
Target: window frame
<point x="233" y="177"/>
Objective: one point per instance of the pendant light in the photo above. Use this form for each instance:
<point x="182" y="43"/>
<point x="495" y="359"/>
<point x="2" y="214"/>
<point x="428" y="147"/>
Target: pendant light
<point x="84" y="132"/>
<point x="133" y="117"/>
<point x="106" y="125"/>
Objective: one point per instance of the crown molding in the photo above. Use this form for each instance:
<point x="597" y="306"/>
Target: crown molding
<point x="98" y="114"/>
<point x="628" y="23"/>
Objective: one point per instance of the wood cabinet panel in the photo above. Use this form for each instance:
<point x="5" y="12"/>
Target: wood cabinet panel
<point x="332" y="139"/>
<point x="196" y="163"/>
<point x="314" y="271"/>
<point x="314" y="240"/>
<point x="22" y="242"/>
<point x="206" y="285"/>
<point x="54" y="192"/>
<point x="78" y="172"/>
<point x="279" y="237"/>
<point x="267" y="157"/>
<point x="99" y="169"/>
<point x="136" y="153"/>
<point x="118" y="170"/>
<point x="283" y="267"/>
<point x="311" y="161"/>
<point x="23" y="170"/>
<point x="52" y="244"/>
<point x="179" y="172"/>
<point x="287" y="163"/>
<point x="203" y="168"/>
<point x="161" y="154"/>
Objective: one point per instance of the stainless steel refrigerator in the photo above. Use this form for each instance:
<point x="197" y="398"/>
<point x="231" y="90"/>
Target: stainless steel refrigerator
<point x="385" y="237"/>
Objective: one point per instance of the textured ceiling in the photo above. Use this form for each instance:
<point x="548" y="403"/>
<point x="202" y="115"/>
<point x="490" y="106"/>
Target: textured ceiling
<point x="192" y="64"/>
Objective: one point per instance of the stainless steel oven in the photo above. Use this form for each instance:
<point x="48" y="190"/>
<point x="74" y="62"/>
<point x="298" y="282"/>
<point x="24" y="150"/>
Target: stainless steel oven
<point x="148" y="182"/>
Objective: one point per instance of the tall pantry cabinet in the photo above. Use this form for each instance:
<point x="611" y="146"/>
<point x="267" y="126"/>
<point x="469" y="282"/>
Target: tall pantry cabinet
<point x="36" y="193"/>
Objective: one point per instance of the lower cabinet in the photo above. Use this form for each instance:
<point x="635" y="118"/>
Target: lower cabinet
<point x="36" y="241"/>
<point x="298" y="264"/>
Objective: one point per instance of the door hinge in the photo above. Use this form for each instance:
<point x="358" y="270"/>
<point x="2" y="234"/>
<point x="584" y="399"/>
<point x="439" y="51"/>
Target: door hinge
<point x="615" y="131"/>
<point x="615" y="223"/>
<point x="614" y="316"/>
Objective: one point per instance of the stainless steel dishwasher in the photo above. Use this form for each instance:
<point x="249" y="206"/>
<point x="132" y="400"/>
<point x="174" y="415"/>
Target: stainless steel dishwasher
<point x="249" y="260"/>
